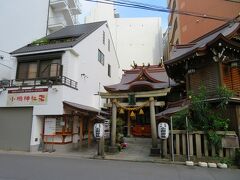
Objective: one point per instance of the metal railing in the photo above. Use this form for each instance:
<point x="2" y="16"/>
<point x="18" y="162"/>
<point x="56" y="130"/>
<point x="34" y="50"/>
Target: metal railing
<point x="49" y="81"/>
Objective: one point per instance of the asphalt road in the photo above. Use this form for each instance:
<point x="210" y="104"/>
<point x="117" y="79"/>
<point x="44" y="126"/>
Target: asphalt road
<point x="26" y="167"/>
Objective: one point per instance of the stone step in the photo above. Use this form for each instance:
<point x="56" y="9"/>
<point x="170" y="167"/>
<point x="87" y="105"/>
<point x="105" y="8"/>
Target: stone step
<point x="136" y="140"/>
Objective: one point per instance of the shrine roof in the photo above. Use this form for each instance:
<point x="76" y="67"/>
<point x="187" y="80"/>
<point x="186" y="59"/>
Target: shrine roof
<point x="225" y="32"/>
<point x="142" y="77"/>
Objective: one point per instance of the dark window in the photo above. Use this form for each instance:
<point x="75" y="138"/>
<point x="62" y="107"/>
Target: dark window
<point x="109" y="45"/>
<point x="101" y="57"/>
<point x="109" y="70"/>
<point x="39" y="69"/>
<point x="50" y="68"/>
<point x="103" y="37"/>
<point x="27" y="70"/>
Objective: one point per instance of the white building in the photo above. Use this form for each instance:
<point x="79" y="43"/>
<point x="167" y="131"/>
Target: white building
<point x="31" y="20"/>
<point x="135" y="39"/>
<point x="54" y="95"/>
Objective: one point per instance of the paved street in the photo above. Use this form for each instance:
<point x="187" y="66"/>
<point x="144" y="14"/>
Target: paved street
<point x="27" y="167"/>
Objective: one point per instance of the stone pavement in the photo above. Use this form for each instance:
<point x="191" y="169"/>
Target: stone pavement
<point x="138" y="150"/>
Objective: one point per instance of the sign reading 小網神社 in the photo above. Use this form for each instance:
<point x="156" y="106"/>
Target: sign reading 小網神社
<point x="27" y="97"/>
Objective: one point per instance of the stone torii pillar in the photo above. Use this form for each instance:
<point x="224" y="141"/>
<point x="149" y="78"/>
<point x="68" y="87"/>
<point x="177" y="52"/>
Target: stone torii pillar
<point x="154" y="150"/>
<point x="113" y="147"/>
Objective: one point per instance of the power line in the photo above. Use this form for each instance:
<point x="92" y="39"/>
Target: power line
<point x="6" y="66"/>
<point x="132" y="4"/>
<point x="4" y="51"/>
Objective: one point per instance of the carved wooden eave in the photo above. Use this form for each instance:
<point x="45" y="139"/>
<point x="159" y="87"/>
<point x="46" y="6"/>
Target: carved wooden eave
<point x="217" y="46"/>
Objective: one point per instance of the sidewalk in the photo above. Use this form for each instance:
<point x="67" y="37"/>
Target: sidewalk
<point x="138" y="150"/>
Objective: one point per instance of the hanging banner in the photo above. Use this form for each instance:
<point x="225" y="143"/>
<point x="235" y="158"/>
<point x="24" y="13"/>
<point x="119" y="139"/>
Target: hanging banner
<point x="27" y="97"/>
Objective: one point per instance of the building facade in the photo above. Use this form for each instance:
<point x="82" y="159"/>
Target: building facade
<point x="183" y="28"/>
<point x="211" y="61"/>
<point x="54" y="95"/>
<point x="26" y="24"/>
<point x="135" y="39"/>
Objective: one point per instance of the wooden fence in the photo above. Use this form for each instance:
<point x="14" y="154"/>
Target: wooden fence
<point x="198" y="144"/>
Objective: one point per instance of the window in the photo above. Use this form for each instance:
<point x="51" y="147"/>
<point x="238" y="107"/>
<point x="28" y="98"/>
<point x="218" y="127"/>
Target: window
<point x="109" y="70"/>
<point x="103" y="37"/>
<point x="27" y="70"/>
<point x="64" y="125"/>
<point x="109" y="45"/>
<point x="39" y="69"/>
<point x="101" y="57"/>
<point x="50" y="68"/>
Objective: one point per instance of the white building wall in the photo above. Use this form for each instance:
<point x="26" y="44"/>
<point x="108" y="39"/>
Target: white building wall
<point x="139" y="40"/>
<point x="37" y="127"/>
<point x="88" y="71"/>
<point x="135" y="39"/>
<point x="21" y="23"/>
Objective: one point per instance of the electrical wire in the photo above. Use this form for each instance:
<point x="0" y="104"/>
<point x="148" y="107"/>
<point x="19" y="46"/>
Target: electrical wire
<point x="132" y="4"/>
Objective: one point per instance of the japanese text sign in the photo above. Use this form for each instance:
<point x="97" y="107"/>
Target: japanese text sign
<point x="27" y="97"/>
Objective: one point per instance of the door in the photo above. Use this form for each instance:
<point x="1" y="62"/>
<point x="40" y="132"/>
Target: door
<point x="15" y="128"/>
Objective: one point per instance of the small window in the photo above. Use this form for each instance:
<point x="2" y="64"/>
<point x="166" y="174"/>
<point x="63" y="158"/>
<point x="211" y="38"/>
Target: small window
<point x="103" y="37"/>
<point x="109" y="45"/>
<point x="109" y="70"/>
<point x="101" y="57"/>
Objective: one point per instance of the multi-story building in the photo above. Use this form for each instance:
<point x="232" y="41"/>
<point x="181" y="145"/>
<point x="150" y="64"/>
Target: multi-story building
<point x="30" y="21"/>
<point x="54" y="96"/>
<point x="183" y="28"/>
<point x="135" y="39"/>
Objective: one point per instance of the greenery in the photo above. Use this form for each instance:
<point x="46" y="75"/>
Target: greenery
<point x="205" y="116"/>
<point x="211" y="117"/>
<point x="41" y="41"/>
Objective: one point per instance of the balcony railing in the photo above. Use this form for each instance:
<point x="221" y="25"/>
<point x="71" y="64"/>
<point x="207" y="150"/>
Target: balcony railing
<point x="50" y="81"/>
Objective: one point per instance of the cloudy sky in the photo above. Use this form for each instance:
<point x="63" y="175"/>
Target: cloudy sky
<point x="131" y="12"/>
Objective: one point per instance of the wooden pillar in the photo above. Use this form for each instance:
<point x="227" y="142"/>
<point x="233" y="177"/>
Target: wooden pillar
<point x="114" y="123"/>
<point x="190" y="144"/>
<point x="89" y="132"/>
<point x="153" y="123"/>
<point x="81" y="131"/>
<point x="165" y="147"/>
<point x="198" y="145"/>
<point x="129" y="125"/>
<point x="220" y="70"/>
<point x="205" y="146"/>
<point x="177" y="145"/>
<point x="184" y="151"/>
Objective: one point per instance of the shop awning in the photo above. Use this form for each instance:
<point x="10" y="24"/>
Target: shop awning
<point x="83" y="108"/>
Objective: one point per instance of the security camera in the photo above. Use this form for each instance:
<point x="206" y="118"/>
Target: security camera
<point x="1" y="57"/>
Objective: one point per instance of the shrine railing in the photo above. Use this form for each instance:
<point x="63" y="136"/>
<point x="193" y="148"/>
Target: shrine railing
<point x="197" y="146"/>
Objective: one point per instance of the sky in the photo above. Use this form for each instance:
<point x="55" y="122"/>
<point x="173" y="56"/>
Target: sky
<point x="132" y="12"/>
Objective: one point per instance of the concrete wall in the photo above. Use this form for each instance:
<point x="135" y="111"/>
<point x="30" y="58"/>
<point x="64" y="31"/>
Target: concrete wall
<point x="20" y="24"/>
<point x="138" y="39"/>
